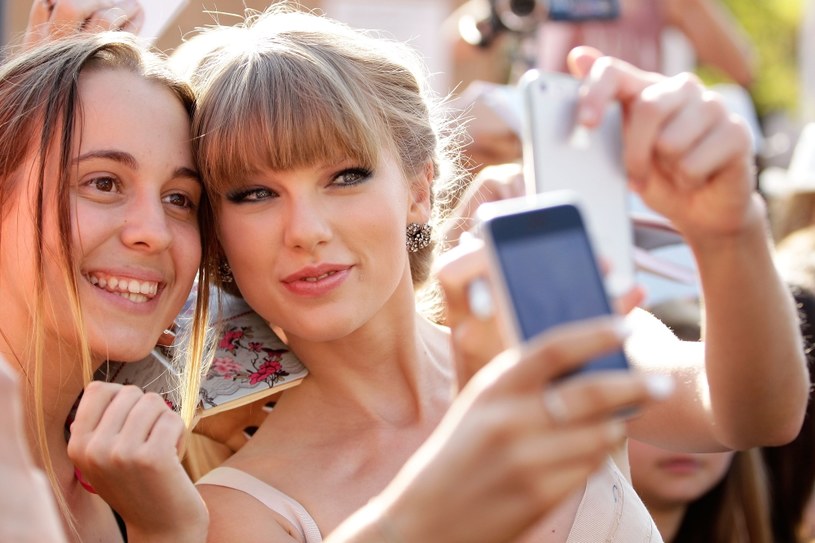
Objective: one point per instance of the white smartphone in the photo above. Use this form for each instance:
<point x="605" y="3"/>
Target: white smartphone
<point x="544" y="266"/>
<point x="559" y="154"/>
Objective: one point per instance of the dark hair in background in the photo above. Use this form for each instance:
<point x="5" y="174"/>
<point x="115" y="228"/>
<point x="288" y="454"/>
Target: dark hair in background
<point x="790" y="467"/>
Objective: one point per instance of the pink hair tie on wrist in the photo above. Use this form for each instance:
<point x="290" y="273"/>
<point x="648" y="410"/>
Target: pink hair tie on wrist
<point x="85" y="484"/>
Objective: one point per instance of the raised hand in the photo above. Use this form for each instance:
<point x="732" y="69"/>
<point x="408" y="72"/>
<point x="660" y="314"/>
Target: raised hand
<point x="126" y="444"/>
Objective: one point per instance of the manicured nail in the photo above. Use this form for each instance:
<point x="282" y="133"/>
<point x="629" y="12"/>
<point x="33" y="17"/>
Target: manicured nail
<point x="621" y="328"/>
<point x="249" y="431"/>
<point x="580" y="138"/>
<point x="659" y="386"/>
<point x="480" y="299"/>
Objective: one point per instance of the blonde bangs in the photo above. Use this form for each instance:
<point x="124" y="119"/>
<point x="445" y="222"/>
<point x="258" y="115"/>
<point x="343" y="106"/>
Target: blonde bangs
<point x="284" y="112"/>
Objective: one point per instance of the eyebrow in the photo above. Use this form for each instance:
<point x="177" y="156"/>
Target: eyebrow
<point x="130" y="161"/>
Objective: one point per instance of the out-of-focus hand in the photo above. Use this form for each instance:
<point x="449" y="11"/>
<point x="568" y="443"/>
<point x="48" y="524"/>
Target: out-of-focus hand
<point x="685" y="154"/>
<point x="493" y="183"/>
<point x="126" y="444"/>
<point x="28" y="511"/>
<point x="50" y="19"/>
<point x="515" y="442"/>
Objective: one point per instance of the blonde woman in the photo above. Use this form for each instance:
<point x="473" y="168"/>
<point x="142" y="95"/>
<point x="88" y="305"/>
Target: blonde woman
<point x="319" y="148"/>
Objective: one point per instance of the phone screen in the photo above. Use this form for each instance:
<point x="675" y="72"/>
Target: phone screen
<point x="550" y="272"/>
<point x="583" y="10"/>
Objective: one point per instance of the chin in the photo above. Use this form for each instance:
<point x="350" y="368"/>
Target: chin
<point x="122" y="347"/>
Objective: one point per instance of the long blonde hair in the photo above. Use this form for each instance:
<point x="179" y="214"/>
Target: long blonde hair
<point x="39" y="113"/>
<point x="288" y="87"/>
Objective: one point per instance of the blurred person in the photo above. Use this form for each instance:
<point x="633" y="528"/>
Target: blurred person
<point x="710" y="497"/>
<point x="53" y="18"/>
<point x="636" y="36"/>
<point x="28" y="511"/>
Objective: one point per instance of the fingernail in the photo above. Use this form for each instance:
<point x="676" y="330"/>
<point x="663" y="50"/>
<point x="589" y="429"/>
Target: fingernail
<point x="580" y="138"/>
<point x="480" y="299"/>
<point x="249" y="431"/>
<point x="621" y="328"/>
<point x="269" y="406"/>
<point x="659" y="386"/>
<point x="586" y="116"/>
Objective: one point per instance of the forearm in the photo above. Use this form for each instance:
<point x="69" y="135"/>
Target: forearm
<point x="753" y="350"/>
<point x="716" y="38"/>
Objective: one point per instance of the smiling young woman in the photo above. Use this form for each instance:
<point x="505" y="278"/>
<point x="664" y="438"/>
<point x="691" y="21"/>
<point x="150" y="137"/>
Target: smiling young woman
<point x="99" y="246"/>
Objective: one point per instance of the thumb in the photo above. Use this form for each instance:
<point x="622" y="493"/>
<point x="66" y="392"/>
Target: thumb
<point x="581" y="59"/>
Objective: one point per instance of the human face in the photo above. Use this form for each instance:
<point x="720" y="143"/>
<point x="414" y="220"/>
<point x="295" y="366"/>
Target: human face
<point x="320" y="250"/>
<point x="665" y="478"/>
<point x="134" y="195"/>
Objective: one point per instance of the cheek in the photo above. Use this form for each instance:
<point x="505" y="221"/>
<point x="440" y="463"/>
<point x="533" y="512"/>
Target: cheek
<point x="187" y="247"/>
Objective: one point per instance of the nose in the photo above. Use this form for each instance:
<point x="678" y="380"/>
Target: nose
<point x="306" y="225"/>
<point x="145" y="226"/>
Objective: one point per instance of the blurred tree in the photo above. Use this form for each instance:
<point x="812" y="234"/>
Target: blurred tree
<point x="773" y="27"/>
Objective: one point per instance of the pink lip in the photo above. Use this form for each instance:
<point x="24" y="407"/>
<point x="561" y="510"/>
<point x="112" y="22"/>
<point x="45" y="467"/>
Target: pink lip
<point x="316" y="280"/>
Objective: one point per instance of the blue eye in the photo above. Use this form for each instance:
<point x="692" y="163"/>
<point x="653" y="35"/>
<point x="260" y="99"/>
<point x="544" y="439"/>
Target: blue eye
<point x="352" y="176"/>
<point x="250" y="195"/>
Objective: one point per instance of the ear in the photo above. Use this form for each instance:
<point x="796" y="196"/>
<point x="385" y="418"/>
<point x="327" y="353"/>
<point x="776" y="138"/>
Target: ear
<point x="421" y="185"/>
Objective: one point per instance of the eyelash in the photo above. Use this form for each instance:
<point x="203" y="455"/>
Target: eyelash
<point x="257" y="194"/>
<point x="115" y="185"/>
<point x="188" y="202"/>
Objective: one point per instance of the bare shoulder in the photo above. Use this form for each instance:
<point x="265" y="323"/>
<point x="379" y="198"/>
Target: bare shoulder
<point x="236" y="516"/>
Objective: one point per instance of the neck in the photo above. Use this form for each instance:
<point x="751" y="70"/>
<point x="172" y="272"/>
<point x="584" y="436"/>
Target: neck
<point x="57" y="382"/>
<point x="668" y="519"/>
<point x="392" y="373"/>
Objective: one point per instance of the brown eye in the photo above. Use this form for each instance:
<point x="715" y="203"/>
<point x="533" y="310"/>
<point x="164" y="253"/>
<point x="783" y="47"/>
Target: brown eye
<point x="103" y="184"/>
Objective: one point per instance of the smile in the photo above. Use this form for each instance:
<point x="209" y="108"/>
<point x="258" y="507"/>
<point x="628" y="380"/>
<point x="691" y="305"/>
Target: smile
<point x="129" y="289"/>
<point x="319" y="277"/>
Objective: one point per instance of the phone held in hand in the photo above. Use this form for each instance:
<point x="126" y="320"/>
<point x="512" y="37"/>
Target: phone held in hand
<point x="559" y="154"/>
<point x="545" y="268"/>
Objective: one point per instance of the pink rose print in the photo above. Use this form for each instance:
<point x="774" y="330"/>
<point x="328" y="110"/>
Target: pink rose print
<point x="225" y="367"/>
<point x="230" y="340"/>
<point x="269" y="368"/>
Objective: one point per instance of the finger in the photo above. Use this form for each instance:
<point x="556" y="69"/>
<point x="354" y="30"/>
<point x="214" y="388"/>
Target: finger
<point x="455" y="270"/>
<point x="108" y="19"/>
<point x="95" y="400"/>
<point x="608" y="80"/>
<point x="40" y="13"/>
<point x="135" y="21"/>
<point x="111" y="416"/>
<point x="168" y="431"/>
<point x="142" y="417"/>
<point x="720" y="148"/>
<point x="561" y="350"/>
<point x="627" y="302"/>
<point x="599" y="396"/>
<point x="691" y="123"/>
<point x="69" y="16"/>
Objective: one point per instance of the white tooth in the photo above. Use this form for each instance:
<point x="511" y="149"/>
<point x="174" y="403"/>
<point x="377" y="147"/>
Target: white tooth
<point x="133" y="287"/>
<point x="102" y="282"/>
<point x="93" y="280"/>
<point x="113" y="282"/>
<point x="145" y="288"/>
<point x="154" y="289"/>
